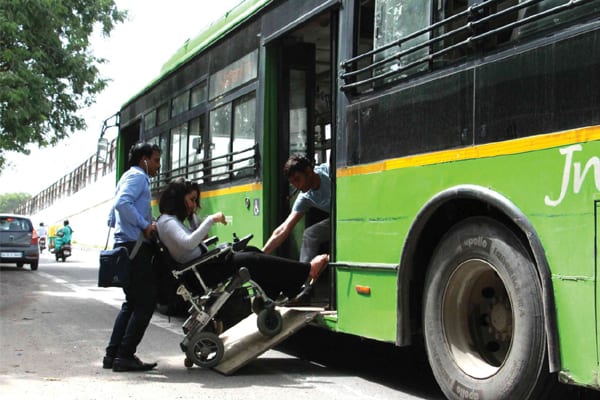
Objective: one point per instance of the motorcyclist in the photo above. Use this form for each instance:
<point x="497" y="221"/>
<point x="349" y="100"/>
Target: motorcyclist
<point x="42" y="235"/>
<point x="64" y="235"/>
<point x="67" y="232"/>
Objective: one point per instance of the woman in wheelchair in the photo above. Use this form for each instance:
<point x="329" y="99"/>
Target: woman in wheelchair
<point x="274" y="274"/>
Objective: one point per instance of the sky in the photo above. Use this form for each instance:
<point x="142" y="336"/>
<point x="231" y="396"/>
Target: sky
<point x="135" y="53"/>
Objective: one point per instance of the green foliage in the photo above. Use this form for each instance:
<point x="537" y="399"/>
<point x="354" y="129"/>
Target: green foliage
<point x="10" y="201"/>
<point x="47" y="71"/>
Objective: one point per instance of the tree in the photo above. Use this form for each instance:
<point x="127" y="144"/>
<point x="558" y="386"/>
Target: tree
<point x="10" y="201"/>
<point x="47" y="71"/>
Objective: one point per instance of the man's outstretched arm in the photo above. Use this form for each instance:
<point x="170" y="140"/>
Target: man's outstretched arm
<point x="281" y="233"/>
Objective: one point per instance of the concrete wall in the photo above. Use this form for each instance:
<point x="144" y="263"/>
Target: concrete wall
<point x="87" y="212"/>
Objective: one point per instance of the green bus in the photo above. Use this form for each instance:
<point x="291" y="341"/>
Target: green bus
<point x="463" y="138"/>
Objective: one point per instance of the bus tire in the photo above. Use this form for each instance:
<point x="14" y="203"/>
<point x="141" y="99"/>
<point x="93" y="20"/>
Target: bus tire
<point x="483" y="318"/>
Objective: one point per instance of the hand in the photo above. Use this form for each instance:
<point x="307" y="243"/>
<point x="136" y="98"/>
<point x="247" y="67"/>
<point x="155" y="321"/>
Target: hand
<point x="219" y="217"/>
<point x="150" y="230"/>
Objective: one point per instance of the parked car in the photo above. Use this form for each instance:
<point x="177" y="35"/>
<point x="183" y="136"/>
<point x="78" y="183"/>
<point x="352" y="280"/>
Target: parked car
<point x="18" y="241"/>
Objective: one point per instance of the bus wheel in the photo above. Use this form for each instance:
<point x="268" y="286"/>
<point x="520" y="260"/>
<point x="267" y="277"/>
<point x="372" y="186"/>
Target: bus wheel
<point x="483" y="315"/>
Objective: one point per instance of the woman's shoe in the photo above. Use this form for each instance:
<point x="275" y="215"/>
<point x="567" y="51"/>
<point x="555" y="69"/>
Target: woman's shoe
<point x="317" y="265"/>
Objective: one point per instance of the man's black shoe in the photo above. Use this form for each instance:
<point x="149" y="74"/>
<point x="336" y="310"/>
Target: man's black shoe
<point x="107" y="362"/>
<point x="121" y="364"/>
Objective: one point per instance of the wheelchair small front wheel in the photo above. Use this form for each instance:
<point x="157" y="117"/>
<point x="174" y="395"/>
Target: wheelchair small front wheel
<point x="269" y="322"/>
<point x="205" y="350"/>
<point x="258" y="304"/>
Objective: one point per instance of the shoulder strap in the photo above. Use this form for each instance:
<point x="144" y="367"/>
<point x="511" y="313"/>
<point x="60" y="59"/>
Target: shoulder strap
<point x="137" y="246"/>
<point x="107" y="238"/>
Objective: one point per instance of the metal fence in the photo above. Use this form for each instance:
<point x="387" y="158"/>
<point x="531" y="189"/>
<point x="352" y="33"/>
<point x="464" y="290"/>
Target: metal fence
<point x="85" y="174"/>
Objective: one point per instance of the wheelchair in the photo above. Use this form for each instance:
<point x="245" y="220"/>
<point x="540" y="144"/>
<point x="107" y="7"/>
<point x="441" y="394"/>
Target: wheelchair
<point x="201" y="344"/>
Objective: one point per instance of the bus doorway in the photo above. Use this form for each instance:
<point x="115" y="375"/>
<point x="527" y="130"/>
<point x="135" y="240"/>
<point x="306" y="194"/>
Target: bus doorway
<point x="128" y="136"/>
<point x="304" y="115"/>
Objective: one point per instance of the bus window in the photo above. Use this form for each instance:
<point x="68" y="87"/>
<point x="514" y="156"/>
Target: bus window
<point x="162" y="114"/>
<point x="220" y="134"/>
<point x="244" y="127"/>
<point x="322" y="143"/>
<point x="234" y="75"/>
<point x="298" y="112"/>
<point x="196" y="148"/>
<point x="150" y="120"/>
<point x="562" y="14"/>
<point x="179" y="149"/>
<point x="397" y="19"/>
<point x="449" y="48"/>
<point x="198" y="95"/>
<point x="180" y="103"/>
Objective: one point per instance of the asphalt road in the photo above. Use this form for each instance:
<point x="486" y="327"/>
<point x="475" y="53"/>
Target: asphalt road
<point x="55" y="323"/>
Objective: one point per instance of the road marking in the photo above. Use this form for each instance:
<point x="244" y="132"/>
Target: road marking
<point x="114" y="297"/>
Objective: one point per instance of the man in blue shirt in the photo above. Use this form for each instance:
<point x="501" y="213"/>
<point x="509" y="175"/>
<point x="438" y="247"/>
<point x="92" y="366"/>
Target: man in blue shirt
<point x="315" y="187"/>
<point x="132" y="219"/>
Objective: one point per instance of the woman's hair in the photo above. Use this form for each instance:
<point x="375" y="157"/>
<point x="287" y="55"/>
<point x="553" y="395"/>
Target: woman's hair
<point x="172" y="200"/>
<point x="191" y="186"/>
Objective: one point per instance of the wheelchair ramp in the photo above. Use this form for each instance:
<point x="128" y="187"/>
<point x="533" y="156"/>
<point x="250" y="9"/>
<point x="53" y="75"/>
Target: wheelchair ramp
<point x="244" y="343"/>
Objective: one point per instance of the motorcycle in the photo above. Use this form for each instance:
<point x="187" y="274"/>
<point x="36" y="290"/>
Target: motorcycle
<point x="63" y="252"/>
<point x="42" y="244"/>
<point x="62" y="247"/>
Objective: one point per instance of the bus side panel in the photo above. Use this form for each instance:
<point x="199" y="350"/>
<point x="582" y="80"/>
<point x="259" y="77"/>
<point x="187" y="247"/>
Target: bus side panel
<point x="367" y="302"/>
<point x="544" y="176"/>
<point x="241" y="220"/>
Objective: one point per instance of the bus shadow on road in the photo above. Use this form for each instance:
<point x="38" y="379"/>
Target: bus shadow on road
<point x="315" y="357"/>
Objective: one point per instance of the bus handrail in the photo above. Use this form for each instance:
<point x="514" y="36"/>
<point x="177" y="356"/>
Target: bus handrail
<point x="471" y="26"/>
<point x="207" y="167"/>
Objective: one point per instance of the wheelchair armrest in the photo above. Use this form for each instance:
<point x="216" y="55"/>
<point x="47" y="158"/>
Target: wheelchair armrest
<point x="242" y="243"/>
<point x="211" y="240"/>
<point x="210" y="255"/>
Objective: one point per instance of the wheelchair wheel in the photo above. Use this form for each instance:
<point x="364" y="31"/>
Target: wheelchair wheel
<point x="205" y="350"/>
<point x="269" y="322"/>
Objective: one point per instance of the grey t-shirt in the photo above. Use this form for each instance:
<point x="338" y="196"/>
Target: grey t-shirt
<point x="319" y="198"/>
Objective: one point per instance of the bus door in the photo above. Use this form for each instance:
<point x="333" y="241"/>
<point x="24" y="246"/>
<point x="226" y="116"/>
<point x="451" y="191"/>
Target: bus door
<point x="128" y="136"/>
<point x="296" y="122"/>
<point x="305" y="113"/>
<point x="304" y="109"/>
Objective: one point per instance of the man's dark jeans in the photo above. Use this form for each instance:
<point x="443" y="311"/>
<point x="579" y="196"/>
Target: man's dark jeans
<point x="140" y="301"/>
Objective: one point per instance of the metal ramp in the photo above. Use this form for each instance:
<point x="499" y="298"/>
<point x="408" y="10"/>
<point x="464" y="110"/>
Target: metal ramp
<point x="244" y="343"/>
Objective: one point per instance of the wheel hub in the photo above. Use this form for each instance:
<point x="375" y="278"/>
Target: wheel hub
<point x="479" y="325"/>
<point x="501" y="321"/>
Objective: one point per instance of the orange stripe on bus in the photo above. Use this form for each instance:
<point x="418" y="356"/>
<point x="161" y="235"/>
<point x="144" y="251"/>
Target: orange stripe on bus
<point x="514" y="146"/>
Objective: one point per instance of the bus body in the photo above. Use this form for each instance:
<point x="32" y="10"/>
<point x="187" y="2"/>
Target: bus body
<point x="463" y="138"/>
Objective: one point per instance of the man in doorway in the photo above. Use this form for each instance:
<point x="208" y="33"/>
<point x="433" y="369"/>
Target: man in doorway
<point x="132" y="219"/>
<point x="315" y="187"/>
